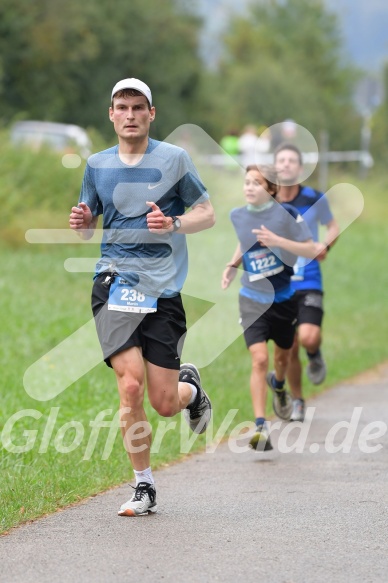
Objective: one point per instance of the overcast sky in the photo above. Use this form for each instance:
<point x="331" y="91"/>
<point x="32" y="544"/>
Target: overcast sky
<point x="365" y="29"/>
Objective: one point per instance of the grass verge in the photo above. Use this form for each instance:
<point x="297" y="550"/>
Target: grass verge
<point x="49" y="458"/>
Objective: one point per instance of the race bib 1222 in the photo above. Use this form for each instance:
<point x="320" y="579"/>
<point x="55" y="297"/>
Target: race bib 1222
<point x="262" y="263"/>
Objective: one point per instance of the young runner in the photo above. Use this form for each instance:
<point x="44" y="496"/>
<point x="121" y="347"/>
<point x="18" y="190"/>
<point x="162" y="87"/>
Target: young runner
<point x="270" y="237"/>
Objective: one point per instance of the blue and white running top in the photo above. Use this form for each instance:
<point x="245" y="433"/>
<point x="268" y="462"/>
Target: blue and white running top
<point x="154" y="264"/>
<point x="314" y="207"/>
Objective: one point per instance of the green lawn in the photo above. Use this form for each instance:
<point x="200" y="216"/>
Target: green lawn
<point x="43" y="305"/>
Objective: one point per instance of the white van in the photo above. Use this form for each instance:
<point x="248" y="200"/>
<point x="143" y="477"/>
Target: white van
<point x="58" y="136"/>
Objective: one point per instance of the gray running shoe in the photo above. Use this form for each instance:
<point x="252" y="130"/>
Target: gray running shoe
<point x="281" y="401"/>
<point x="142" y="502"/>
<point x="197" y="414"/>
<point x="297" y="410"/>
<point x="260" y="440"/>
<point x="316" y="370"/>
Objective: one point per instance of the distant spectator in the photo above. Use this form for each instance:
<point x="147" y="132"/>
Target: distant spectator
<point x="251" y="145"/>
<point x="264" y="140"/>
<point x="247" y="145"/>
<point x="283" y="132"/>
<point x="230" y="143"/>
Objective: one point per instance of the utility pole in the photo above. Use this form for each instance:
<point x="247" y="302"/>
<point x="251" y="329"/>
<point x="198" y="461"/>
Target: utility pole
<point x="365" y="144"/>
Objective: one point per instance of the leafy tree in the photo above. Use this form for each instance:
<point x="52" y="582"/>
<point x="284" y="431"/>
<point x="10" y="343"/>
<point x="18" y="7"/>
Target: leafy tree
<point x="60" y="58"/>
<point x="283" y="61"/>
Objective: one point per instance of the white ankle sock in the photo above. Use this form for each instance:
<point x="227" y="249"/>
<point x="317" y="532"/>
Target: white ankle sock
<point x="144" y="476"/>
<point x="194" y="392"/>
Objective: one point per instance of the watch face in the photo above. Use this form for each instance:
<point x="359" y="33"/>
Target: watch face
<point x="177" y="224"/>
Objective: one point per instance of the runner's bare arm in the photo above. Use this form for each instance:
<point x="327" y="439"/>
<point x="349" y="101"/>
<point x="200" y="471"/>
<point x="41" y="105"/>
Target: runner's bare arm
<point x="331" y="236"/>
<point x="269" y="239"/>
<point x="230" y="271"/>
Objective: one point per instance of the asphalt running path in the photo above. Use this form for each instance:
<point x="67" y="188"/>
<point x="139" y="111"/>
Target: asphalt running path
<point x="306" y="517"/>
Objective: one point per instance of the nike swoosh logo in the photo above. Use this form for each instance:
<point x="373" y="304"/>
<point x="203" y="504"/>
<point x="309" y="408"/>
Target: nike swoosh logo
<point x="152" y="186"/>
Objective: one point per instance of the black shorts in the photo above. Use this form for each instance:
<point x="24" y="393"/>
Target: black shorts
<point x="263" y="322"/>
<point x="310" y="306"/>
<point x="159" y="334"/>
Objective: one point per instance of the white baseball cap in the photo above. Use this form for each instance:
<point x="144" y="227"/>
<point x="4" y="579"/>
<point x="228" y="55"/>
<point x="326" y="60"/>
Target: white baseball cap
<point x="133" y="84"/>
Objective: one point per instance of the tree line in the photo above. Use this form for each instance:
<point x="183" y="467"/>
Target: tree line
<point x="284" y="59"/>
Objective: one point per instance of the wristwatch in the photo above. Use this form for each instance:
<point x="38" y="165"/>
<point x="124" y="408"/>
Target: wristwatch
<point x="176" y="223"/>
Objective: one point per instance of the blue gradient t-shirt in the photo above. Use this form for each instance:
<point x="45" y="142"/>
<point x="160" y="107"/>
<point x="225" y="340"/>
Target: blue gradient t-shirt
<point x="155" y="264"/>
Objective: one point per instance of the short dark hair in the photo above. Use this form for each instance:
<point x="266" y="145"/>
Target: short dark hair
<point x="286" y="146"/>
<point x="269" y="174"/>
<point x="129" y="93"/>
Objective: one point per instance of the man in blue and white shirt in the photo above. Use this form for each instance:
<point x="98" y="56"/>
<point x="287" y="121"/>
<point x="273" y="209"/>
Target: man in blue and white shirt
<point x="142" y="187"/>
<point x="307" y="280"/>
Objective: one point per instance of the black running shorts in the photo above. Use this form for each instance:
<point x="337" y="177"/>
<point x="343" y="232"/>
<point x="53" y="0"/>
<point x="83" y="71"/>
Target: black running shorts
<point x="263" y="322"/>
<point x="159" y="334"/>
<point x="310" y="306"/>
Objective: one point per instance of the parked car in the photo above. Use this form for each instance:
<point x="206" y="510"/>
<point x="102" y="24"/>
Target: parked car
<point x="60" y="137"/>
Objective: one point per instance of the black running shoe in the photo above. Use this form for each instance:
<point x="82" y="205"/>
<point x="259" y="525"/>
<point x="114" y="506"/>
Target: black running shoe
<point x="198" y="414"/>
